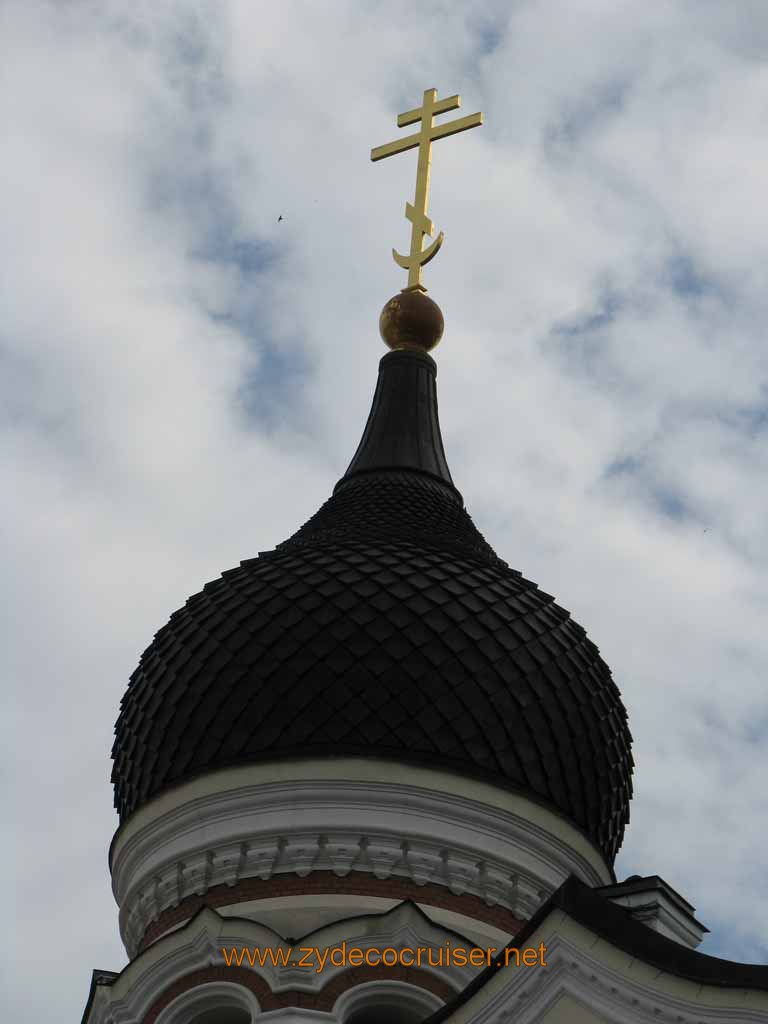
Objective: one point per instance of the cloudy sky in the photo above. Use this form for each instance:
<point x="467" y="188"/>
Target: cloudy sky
<point x="184" y="378"/>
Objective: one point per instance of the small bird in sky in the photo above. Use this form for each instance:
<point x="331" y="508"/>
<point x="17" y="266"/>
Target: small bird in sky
<point x="279" y="218"/>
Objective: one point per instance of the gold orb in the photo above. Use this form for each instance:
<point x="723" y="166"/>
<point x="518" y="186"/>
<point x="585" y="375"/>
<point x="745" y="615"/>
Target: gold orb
<point x="411" y="320"/>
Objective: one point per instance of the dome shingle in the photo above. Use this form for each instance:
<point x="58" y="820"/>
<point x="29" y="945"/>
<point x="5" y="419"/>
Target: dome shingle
<point x="385" y="627"/>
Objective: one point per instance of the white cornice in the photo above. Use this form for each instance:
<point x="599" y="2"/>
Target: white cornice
<point x="363" y="770"/>
<point x="512" y="853"/>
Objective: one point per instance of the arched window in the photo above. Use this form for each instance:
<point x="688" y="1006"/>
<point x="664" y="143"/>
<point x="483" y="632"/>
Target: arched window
<point x="386" y="1002"/>
<point x="212" y="1003"/>
<point x="226" y="1015"/>
<point x="384" y="1013"/>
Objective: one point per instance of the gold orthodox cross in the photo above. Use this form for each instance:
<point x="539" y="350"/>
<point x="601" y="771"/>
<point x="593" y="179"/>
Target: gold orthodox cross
<point x="417" y="213"/>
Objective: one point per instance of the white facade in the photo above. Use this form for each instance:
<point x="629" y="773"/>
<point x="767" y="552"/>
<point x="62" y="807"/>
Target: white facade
<point x="376" y="821"/>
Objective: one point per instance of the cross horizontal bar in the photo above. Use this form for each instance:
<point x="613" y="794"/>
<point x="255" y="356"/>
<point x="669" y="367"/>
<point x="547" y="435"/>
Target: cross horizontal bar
<point x="461" y="124"/>
<point x="411" y="116"/>
<point x="398" y="146"/>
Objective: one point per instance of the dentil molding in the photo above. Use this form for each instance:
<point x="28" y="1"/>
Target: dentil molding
<point x="513" y="857"/>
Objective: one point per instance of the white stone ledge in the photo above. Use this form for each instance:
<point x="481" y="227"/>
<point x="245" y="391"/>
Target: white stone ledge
<point x="340" y="816"/>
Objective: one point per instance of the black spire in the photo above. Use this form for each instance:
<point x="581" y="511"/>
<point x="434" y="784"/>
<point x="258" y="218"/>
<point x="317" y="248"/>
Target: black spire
<point x="403" y="429"/>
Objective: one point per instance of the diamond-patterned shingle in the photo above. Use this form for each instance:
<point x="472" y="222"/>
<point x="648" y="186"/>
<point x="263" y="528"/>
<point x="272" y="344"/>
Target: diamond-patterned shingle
<point x="386" y="627"/>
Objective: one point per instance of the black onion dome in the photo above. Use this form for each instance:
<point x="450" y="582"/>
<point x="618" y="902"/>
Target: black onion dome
<point x="386" y="627"/>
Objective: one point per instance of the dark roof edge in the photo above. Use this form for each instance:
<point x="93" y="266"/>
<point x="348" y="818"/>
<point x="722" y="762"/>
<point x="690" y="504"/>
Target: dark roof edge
<point x="588" y="908"/>
<point x="98" y="978"/>
<point x="648" y="884"/>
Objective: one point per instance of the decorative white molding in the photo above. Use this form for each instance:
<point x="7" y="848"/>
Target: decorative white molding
<point x="423" y="861"/>
<point x="526" y="996"/>
<point x="259" y="858"/>
<point x="512" y="856"/>
<point x="300" y="851"/>
<point x="198" y="945"/>
<point x="461" y="872"/>
<point x="382" y="853"/>
<point x="658" y="912"/>
<point x="342" y="852"/>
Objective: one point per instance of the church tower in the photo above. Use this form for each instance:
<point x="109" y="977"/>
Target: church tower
<point x="380" y="739"/>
